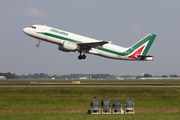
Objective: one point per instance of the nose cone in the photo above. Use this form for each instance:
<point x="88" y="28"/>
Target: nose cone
<point x="25" y="30"/>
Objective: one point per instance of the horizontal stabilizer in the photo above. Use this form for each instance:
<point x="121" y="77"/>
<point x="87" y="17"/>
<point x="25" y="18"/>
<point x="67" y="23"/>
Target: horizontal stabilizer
<point x="145" y="57"/>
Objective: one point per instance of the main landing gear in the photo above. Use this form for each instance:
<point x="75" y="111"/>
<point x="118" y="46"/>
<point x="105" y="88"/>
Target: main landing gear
<point x="81" y="56"/>
<point x="37" y="45"/>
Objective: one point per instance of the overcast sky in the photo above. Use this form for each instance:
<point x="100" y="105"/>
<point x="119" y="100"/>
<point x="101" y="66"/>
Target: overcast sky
<point x="122" y="21"/>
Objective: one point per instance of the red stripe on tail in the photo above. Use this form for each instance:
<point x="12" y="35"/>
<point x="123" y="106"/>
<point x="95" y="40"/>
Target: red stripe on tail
<point x="138" y="52"/>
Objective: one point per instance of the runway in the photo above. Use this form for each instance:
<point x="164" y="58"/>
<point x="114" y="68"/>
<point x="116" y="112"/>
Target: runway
<point x="57" y="84"/>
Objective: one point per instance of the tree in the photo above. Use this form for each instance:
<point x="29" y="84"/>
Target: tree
<point x="10" y="75"/>
<point x="1" y="74"/>
<point x="147" y="75"/>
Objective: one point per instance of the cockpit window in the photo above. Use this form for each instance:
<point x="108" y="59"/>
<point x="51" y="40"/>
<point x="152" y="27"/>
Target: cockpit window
<point x="33" y="27"/>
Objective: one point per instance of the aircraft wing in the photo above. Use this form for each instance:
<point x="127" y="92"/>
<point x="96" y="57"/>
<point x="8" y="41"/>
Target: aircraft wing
<point x="91" y="44"/>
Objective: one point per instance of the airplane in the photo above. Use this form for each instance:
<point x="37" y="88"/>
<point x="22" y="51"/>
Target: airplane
<point x="70" y="42"/>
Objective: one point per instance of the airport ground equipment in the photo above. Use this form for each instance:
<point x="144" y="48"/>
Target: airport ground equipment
<point x="129" y="106"/>
<point x="95" y="107"/>
<point x="33" y="82"/>
<point x="106" y="106"/>
<point x="117" y="107"/>
<point x="75" y="82"/>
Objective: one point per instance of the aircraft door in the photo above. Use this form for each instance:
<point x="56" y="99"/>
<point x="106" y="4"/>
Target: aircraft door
<point x="43" y="29"/>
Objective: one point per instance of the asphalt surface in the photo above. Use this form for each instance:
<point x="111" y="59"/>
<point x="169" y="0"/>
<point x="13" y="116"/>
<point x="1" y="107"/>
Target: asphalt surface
<point x="57" y="84"/>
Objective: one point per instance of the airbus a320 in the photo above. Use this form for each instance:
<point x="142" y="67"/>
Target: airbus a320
<point x="70" y="42"/>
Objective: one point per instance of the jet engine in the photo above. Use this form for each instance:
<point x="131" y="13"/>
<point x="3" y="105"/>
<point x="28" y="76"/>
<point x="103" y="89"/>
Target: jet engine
<point x="68" y="46"/>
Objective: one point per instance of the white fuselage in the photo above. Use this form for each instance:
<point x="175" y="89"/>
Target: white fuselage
<point x="57" y="36"/>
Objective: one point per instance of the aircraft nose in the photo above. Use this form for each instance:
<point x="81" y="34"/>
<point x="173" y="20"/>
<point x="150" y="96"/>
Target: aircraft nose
<point x="25" y="30"/>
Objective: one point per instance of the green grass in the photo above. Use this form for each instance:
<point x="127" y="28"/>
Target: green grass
<point x="80" y="116"/>
<point x="69" y="102"/>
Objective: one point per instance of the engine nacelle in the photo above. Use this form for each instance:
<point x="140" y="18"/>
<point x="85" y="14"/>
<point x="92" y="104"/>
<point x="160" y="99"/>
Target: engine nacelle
<point x="61" y="48"/>
<point x="68" y="46"/>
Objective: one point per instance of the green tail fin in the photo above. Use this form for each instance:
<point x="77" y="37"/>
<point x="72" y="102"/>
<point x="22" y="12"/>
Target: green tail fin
<point x="147" y="41"/>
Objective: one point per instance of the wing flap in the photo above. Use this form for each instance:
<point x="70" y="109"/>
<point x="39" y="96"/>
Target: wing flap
<point x="92" y="44"/>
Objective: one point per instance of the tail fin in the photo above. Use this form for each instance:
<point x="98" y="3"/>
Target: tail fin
<point x="141" y="47"/>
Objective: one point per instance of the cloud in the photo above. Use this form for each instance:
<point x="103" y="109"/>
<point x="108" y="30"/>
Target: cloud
<point x="136" y="31"/>
<point x="32" y="11"/>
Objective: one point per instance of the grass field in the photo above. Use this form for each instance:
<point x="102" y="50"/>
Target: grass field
<point x="69" y="102"/>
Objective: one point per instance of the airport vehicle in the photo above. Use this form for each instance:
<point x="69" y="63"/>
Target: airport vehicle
<point x="70" y="42"/>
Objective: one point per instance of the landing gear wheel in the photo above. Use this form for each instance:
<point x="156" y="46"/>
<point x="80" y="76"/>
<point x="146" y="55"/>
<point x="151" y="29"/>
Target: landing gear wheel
<point x="37" y="45"/>
<point x="83" y="56"/>
<point x="79" y="57"/>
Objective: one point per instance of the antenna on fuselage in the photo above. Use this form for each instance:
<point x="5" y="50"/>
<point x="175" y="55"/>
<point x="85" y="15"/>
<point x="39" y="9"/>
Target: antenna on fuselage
<point x="110" y="42"/>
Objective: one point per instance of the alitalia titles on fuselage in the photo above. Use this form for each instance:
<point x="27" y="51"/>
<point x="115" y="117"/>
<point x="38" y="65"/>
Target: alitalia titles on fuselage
<point x="59" y="32"/>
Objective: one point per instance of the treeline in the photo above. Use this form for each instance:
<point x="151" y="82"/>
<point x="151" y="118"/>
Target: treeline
<point x="77" y="76"/>
<point x="9" y="75"/>
<point x="71" y="76"/>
